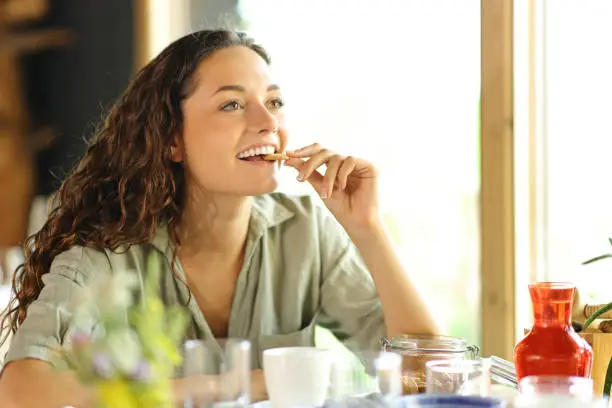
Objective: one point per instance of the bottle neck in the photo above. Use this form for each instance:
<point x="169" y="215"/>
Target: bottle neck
<point x="552" y="304"/>
<point x="552" y="314"/>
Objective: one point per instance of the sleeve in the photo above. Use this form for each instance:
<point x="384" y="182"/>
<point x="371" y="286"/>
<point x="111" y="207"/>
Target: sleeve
<point x="49" y="318"/>
<point x="350" y="306"/>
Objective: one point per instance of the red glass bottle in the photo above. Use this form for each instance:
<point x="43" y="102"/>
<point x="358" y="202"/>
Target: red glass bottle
<point x="552" y="347"/>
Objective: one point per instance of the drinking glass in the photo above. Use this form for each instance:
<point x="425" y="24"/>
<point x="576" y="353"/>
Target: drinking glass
<point x="372" y="374"/>
<point x="549" y="391"/>
<point x="561" y="385"/>
<point x="463" y="377"/>
<point x="217" y="373"/>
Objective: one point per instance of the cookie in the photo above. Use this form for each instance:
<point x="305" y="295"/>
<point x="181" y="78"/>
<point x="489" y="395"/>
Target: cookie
<point x="275" y="157"/>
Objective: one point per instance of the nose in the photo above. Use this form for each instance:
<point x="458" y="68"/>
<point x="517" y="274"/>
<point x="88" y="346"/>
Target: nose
<point x="261" y="120"/>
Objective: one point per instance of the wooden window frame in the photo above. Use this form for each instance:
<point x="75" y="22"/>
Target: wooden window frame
<point x="498" y="313"/>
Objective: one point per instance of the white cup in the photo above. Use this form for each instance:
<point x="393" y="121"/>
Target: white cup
<point x="297" y="376"/>
<point x="557" y="401"/>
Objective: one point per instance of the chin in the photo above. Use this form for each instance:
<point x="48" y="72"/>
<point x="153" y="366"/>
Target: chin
<point x="256" y="189"/>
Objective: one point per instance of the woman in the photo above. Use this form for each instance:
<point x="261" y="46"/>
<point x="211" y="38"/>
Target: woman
<point x="177" y="169"/>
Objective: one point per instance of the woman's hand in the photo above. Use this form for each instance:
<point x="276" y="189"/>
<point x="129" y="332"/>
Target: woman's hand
<point x="259" y="391"/>
<point x="349" y="188"/>
<point x="348" y="185"/>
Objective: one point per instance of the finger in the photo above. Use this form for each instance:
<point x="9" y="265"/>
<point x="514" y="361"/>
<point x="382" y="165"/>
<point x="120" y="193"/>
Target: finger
<point x="347" y="167"/>
<point x="314" y="163"/>
<point x="305" y="151"/>
<point x="333" y="165"/>
<point x="295" y="163"/>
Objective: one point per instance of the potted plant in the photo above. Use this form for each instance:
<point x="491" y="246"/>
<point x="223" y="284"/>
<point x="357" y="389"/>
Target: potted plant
<point x="605" y="308"/>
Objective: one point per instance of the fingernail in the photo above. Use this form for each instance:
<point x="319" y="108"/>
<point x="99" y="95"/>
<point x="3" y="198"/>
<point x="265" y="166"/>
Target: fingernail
<point x="324" y="195"/>
<point x="300" y="177"/>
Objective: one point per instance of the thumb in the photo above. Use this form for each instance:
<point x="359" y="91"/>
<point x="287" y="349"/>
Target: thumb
<point x="315" y="179"/>
<point x="294" y="162"/>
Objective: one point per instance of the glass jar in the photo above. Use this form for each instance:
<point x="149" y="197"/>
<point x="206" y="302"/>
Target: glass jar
<point x="417" y="350"/>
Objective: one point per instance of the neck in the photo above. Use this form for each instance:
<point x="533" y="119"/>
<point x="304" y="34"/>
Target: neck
<point x="214" y="225"/>
<point x="552" y="304"/>
<point x="548" y="315"/>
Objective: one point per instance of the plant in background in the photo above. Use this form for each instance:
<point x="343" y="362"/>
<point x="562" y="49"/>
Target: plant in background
<point x="131" y="356"/>
<point x="605" y="308"/>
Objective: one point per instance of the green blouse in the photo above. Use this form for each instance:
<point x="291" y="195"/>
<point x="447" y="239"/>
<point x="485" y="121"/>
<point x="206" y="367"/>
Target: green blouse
<point x="300" y="270"/>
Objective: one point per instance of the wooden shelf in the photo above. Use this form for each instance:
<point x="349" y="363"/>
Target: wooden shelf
<point x="41" y="138"/>
<point x="33" y="41"/>
<point x="23" y="11"/>
<point x="36" y="139"/>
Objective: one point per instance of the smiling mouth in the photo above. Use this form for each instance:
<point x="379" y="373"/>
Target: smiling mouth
<point x="256" y="154"/>
<point x="259" y="157"/>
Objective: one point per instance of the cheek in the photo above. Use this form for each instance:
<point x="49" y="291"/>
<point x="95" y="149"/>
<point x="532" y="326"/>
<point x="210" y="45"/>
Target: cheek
<point x="207" y="170"/>
<point x="283" y="136"/>
<point x="209" y="154"/>
<point x="210" y="139"/>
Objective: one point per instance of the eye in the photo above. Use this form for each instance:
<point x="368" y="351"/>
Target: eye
<point x="276" y="103"/>
<point x="231" y="106"/>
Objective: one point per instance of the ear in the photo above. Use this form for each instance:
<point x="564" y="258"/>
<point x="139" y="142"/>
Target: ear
<point x="176" y="151"/>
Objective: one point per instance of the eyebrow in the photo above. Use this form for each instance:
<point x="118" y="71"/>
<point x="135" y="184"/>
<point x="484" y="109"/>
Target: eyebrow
<point x="239" y="88"/>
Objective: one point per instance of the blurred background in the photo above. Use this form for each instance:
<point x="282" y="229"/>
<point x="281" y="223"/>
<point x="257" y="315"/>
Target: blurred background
<point x="399" y="82"/>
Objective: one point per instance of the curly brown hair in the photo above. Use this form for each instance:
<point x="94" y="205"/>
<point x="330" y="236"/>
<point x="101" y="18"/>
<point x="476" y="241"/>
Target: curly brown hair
<point x="125" y="185"/>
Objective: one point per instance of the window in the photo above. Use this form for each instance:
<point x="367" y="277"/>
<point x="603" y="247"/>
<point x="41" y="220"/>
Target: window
<point x="570" y="144"/>
<point x="396" y="82"/>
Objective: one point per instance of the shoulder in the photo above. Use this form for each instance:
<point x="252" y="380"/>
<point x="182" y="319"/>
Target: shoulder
<point x="81" y="264"/>
<point x="78" y="264"/>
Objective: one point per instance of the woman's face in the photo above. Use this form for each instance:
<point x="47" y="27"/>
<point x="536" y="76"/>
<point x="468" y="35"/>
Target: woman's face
<point x="235" y="110"/>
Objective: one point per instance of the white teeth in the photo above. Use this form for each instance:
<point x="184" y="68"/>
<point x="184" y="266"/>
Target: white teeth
<point x="256" y="151"/>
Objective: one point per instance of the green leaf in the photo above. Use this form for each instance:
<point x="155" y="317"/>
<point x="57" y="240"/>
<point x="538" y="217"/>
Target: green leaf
<point x="610" y="241"/>
<point x="608" y="381"/>
<point x="597" y="258"/>
<point x="598" y="313"/>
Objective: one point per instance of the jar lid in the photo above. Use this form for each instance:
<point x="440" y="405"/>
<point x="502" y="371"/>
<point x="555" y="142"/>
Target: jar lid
<point x="428" y="344"/>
